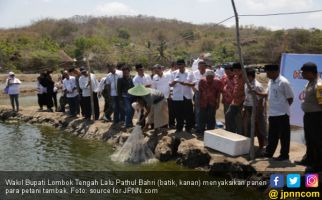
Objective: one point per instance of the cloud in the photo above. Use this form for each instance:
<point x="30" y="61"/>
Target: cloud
<point x="314" y="16"/>
<point x="205" y="1"/>
<point x="272" y="5"/>
<point x="115" y="8"/>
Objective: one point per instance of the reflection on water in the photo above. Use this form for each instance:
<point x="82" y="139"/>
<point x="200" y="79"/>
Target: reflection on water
<point x="29" y="148"/>
<point x="26" y="147"/>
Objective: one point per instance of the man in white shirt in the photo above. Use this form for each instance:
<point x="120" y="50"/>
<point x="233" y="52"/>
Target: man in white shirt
<point x="161" y="81"/>
<point x="141" y="77"/>
<point x="172" y="119"/>
<point x="70" y="89"/>
<point x="280" y="97"/>
<point x="86" y="95"/>
<point x="104" y="90"/>
<point x="195" y="63"/>
<point x="220" y="72"/>
<point x="111" y="80"/>
<point x="260" y="103"/>
<point x="182" y="82"/>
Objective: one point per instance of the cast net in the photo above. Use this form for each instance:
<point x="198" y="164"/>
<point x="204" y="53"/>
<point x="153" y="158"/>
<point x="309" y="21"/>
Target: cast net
<point x="135" y="149"/>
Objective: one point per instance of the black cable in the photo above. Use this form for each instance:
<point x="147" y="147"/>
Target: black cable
<point x="286" y="13"/>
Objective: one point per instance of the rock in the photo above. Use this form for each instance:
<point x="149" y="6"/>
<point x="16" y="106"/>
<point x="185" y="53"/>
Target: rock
<point x="232" y="170"/>
<point x="152" y="141"/>
<point x="8" y="114"/>
<point x="192" y="154"/>
<point x="166" y="148"/>
<point x="123" y="137"/>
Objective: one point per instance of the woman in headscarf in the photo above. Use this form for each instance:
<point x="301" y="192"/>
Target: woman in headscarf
<point x="155" y="104"/>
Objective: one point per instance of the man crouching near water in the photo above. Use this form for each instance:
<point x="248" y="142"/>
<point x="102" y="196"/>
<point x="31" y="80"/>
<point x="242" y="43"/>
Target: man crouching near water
<point x="155" y="105"/>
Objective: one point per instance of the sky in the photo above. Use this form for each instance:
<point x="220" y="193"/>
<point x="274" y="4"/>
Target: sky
<point x="17" y="13"/>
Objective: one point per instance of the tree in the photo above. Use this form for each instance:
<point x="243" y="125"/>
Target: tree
<point x="123" y="34"/>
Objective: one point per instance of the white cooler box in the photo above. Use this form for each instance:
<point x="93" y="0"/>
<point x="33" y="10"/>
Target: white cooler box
<point x="227" y="142"/>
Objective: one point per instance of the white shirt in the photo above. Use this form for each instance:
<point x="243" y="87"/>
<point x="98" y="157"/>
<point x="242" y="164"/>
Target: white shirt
<point x="111" y="79"/>
<point x="162" y="83"/>
<point x="195" y="63"/>
<point x="198" y="76"/>
<point x="14" y="85"/>
<point x="101" y="84"/>
<point x="220" y="73"/>
<point x="279" y="91"/>
<point x="70" y="86"/>
<point x="83" y="84"/>
<point x="258" y="87"/>
<point x="179" y="90"/>
<point x="143" y="80"/>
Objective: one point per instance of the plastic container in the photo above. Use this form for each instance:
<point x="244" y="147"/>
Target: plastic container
<point x="227" y="142"/>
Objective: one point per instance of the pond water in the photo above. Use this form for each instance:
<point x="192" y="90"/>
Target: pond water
<point x="37" y="148"/>
<point x="27" y="147"/>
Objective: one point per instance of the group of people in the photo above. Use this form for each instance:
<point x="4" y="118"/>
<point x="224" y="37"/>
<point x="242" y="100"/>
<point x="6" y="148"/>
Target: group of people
<point x="180" y="98"/>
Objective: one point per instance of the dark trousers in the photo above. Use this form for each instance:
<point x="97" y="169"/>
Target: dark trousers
<point x="234" y="119"/>
<point x="63" y="102"/>
<point x="41" y="100"/>
<point x="49" y="100"/>
<point x="207" y="118"/>
<point x="279" y="128"/>
<point x="14" y="99"/>
<point x="73" y="103"/>
<point x="127" y="105"/>
<point x="88" y="108"/>
<point x="196" y="99"/>
<point x="184" y="114"/>
<point x="82" y="106"/>
<point x="108" y="107"/>
<point x="118" y="115"/>
<point x="171" y="113"/>
<point x="313" y="138"/>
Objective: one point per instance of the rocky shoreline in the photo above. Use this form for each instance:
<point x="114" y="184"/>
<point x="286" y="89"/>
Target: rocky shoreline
<point x="186" y="149"/>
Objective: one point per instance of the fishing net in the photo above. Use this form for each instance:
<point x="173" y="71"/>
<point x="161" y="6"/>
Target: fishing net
<point x="135" y="149"/>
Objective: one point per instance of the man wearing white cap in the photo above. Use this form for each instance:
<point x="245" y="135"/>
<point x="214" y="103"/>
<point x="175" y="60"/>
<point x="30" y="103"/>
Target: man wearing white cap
<point x="12" y="89"/>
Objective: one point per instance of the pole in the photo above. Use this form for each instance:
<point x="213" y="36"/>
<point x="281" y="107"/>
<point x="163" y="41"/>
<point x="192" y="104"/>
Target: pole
<point x="252" y="134"/>
<point x="90" y="88"/>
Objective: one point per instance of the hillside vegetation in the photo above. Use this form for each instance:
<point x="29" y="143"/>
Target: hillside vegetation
<point x="50" y="43"/>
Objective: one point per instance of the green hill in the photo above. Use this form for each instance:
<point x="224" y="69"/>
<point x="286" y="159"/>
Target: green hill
<point x="52" y="43"/>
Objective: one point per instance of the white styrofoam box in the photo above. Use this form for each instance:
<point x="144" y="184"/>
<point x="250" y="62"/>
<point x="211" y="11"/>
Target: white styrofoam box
<point x="227" y="142"/>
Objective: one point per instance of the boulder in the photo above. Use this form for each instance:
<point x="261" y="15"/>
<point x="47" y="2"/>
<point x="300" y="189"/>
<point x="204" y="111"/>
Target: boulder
<point x="152" y="141"/>
<point x="232" y="170"/>
<point x="166" y="148"/>
<point x="192" y="153"/>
